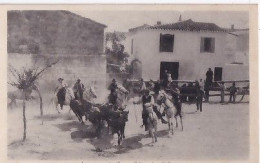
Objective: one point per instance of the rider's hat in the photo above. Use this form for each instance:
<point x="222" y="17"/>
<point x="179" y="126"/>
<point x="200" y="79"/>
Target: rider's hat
<point x="78" y="79"/>
<point x="60" y="79"/>
<point x="113" y="80"/>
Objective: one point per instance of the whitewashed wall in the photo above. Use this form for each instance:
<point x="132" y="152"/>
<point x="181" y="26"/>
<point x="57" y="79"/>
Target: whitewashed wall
<point x="192" y="64"/>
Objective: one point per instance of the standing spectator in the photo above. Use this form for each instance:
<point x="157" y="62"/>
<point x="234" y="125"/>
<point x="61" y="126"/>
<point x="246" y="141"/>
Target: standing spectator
<point x="222" y="91"/>
<point x="209" y="77"/>
<point x="199" y="95"/>
<point x="206" y="89"/>
<point x="166" y="78"/>
<point x="190" y="90"/>
<point x="233" y="91"/>
<point x="201" y="84"/>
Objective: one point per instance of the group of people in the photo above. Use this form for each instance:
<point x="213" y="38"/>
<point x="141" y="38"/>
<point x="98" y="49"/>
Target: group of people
<point x="209" y="83"/>
<point x="147" y="95"/>
<point x="61" y="90"/>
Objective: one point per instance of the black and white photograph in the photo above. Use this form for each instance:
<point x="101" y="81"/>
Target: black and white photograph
<point x="125" y="84"/>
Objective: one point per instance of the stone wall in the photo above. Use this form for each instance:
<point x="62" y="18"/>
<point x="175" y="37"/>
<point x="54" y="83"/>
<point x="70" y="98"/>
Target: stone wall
<point x="53" y="32"/>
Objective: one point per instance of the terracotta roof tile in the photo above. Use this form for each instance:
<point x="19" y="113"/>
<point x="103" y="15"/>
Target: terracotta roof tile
<point x="189" y="25"/>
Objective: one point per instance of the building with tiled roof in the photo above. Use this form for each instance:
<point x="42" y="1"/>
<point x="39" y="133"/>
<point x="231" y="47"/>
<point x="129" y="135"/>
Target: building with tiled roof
<point x="139" y="28"/>
<point x="37" y="37"/>
<point x="185" y="48"/>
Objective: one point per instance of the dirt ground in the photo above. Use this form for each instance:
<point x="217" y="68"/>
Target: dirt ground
<point x="221" y="131"/>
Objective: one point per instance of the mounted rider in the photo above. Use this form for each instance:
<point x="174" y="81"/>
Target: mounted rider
<point x="148" y="101"/>
<point x="148" y="105"/>
<point x="142" y="86"/>
<point x="172" y="89"/>
<point x="60" y="91"/>
<point x="113" y="93"/>
<point x="78" y="90"/>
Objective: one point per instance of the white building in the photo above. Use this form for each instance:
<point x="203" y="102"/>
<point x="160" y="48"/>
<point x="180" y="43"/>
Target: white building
<point x="185" y="48"/>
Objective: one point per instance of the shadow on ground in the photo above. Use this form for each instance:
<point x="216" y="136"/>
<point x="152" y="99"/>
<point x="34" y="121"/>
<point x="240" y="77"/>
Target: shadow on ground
<point x="52" y="117"/>
<point x="104" y="145"/>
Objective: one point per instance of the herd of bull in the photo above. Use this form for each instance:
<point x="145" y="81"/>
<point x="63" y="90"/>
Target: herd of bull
<point x="116" y="118"/>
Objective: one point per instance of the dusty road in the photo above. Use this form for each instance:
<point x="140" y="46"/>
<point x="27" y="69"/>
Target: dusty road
<point x="219" y="132"/>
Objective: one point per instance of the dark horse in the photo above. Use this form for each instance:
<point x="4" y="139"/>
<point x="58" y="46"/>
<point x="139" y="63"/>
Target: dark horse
<point x="117" y="123"/>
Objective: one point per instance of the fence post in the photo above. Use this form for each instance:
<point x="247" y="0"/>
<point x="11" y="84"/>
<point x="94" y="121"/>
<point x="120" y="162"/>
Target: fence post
<point x="222" y="91"/>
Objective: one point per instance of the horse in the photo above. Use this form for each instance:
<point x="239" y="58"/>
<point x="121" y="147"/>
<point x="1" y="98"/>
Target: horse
<point x="152" y="124"/>
<point x="19" y="95"/>
<point x="88" y="95"/>
<point x="117" y="122"/>
<point x="69" y="95"/>
<point x="171" y="110"/>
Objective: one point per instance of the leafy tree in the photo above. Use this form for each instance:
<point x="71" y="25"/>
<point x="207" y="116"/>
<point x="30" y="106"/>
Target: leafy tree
<point x="116" y="56"/>
<point x="26" y="80"/>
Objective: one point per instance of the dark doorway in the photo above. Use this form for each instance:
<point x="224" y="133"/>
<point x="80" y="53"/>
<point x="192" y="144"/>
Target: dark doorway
<point x="218" y="74"/>
<point x="172" y="67"/>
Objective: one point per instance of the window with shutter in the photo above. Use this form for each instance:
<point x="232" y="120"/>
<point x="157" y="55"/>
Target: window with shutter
<point x="207" y="45"/>
<point x="166" y="43"/>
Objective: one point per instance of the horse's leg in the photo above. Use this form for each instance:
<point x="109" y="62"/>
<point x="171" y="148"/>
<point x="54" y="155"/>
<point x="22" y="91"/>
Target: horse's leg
<point x="181" y="123"/>
<point x="176" y="122"/>
<point x="169" y="124"/>
<point x="172" y="126"/>
<point x="119" y="138"/>
<point x="56" y="106"/>
<point x="98" y="131"/>
<point x="152" y="134"/>
<point x="79" y="117"/>
<point x="155" y="132"/>
<point x="123" y="132"/>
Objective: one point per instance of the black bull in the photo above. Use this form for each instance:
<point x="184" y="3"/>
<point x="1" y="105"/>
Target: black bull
<point x="115" y="120"/>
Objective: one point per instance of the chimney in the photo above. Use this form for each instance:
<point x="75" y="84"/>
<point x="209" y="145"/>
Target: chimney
<point x="232" y="27"/>
<point x="180" y="18"/>
<point x="159" y="23"/>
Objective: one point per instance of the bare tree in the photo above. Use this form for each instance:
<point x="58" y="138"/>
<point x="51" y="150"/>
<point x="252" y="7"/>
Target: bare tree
<point x="26" y="80"/>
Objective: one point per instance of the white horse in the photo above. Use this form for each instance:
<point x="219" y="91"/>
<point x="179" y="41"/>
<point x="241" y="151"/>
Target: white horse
<point x="171" y="110"/>
<point x="89" y="94"/>
<point x="18" y="95"/>
<point x="69" y="95"/>
<point x="152" y="123"/>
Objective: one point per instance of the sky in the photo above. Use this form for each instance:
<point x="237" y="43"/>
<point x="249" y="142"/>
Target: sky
<point x="124" y="20"/>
